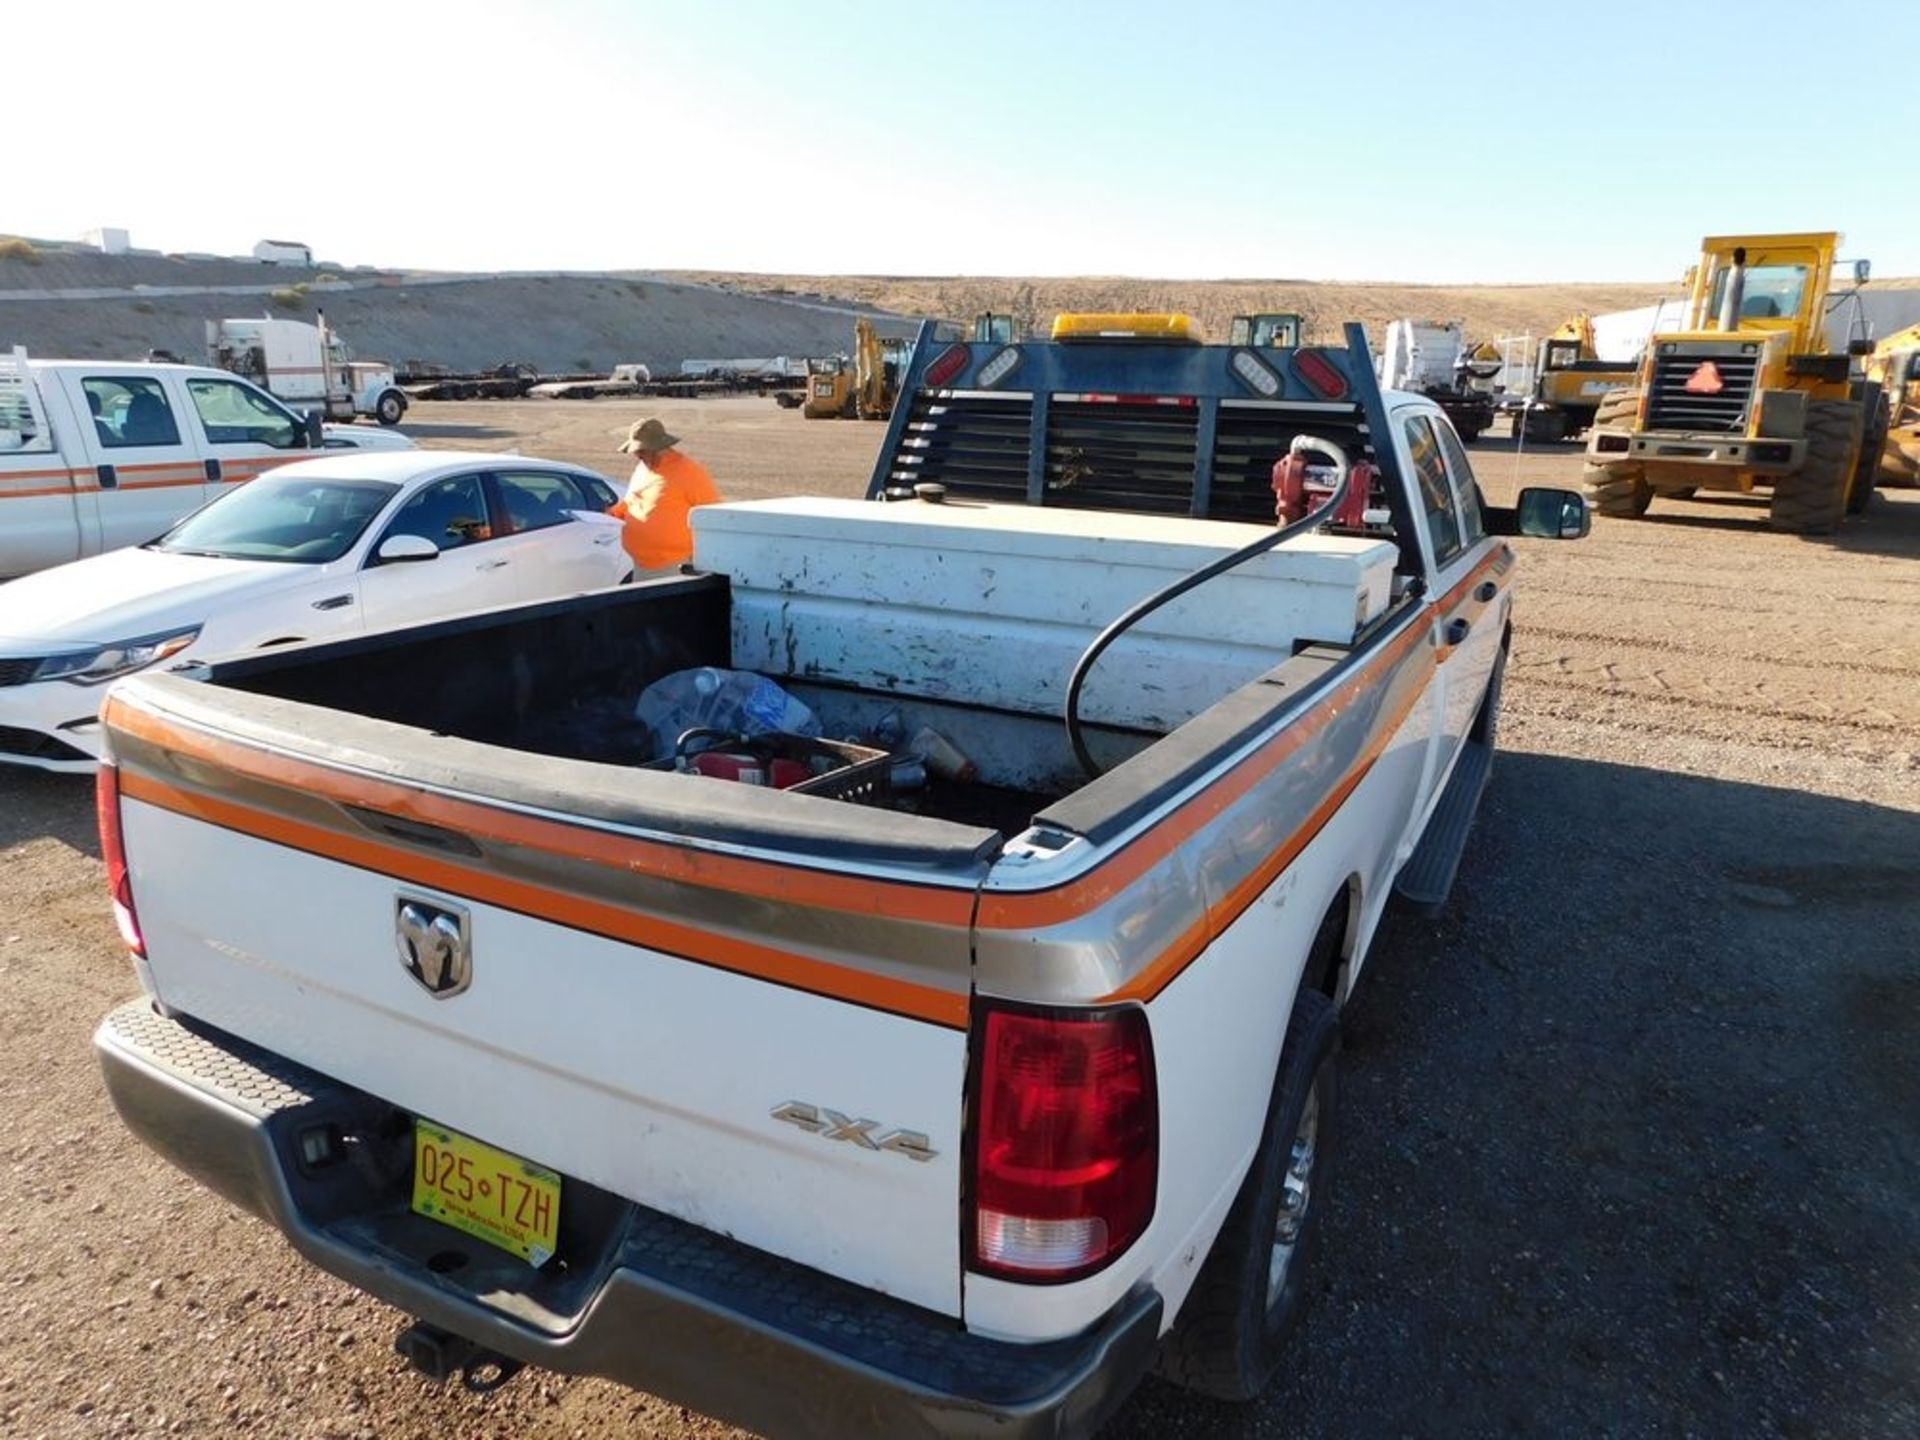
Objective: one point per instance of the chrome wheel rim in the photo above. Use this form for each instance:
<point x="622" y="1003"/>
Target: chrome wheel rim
<point x="1296" y="1193"/>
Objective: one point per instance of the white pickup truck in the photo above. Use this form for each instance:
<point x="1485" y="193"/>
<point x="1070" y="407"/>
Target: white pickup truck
<point x="96" y="454"/>
<point x="945" y="1093"/>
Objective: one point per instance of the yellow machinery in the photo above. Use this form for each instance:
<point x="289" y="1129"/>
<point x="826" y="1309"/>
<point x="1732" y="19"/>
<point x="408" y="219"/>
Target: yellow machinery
<point x="1748" y="394"/>
<point x="1569" y="382"/>
<point x="1895" y="364"/>
<point x="865" y="386"/>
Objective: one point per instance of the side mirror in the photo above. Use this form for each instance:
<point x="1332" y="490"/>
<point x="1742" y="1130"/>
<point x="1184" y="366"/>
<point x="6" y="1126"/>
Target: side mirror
<point x="316" y="436"/>
<point x="1861" y="270"/>
<point x="402" y="549"/>
<point x="1548" y="514"/>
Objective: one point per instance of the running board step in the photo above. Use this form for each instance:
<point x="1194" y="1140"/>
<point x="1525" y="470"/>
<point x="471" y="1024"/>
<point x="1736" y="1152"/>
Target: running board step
<point x="1426" y="879"/>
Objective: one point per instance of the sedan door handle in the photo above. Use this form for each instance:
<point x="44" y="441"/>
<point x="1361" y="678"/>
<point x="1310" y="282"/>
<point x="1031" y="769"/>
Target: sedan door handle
<point x="333" y="602"/>
<point x="1457" y="632"/>
<point x="490" y="564"/>
<point x="1486" y="592"/>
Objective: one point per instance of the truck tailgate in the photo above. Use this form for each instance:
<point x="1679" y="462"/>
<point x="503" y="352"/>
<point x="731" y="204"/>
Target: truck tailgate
<point x="730" y="1039"/>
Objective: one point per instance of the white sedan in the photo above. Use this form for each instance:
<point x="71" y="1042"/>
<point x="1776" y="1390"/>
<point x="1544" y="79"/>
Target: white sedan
<point x="360" y="540"/>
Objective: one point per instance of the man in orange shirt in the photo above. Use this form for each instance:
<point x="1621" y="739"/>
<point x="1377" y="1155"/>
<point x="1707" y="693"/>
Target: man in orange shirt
<point x="665" y="486"/>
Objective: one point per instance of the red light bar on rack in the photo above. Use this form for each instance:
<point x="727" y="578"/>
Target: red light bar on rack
<point x="946" y="366"/>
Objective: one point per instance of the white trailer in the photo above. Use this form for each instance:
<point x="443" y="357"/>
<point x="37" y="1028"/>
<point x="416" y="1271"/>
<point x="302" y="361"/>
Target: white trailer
<point x="307" y="366"/>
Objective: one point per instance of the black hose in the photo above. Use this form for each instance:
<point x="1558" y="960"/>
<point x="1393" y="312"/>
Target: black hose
<point x="1343" y="473"/>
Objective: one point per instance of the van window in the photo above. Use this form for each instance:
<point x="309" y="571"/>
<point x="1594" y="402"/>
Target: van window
<point x="236" y="414"/>
<point x="130" y="410"/>
<point x="1436" y="495"/>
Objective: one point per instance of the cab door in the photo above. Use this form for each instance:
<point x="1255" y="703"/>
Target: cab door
<point x="140" y="471"/>
<point x="1452" y="609"/>
<point x="1480" y="596"/>
<point x="243" y="431"/>
<point x="473" y="571"/>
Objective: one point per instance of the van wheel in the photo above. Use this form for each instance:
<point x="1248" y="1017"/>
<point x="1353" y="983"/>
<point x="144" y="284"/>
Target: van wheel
<point x="391" y="406"/>
<point x="1250" y="1294"/>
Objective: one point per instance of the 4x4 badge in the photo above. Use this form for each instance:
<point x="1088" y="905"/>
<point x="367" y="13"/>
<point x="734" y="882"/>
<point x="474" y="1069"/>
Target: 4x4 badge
<point x="434" y="945"/>
<point x="832" y="1125"/>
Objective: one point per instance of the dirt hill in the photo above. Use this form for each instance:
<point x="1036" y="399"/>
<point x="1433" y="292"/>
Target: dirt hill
<point x="1488" y="310"/>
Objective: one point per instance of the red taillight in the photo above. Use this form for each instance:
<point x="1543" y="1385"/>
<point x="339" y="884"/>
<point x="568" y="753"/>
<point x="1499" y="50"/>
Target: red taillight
<point x="946" y="365"/>
<point x="1320" y="374"/>
<point x="106" y="802"/>
<point x="1064" y="1148"/>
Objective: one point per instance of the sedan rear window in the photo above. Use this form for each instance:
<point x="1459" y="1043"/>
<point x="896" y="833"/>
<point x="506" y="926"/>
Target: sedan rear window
<point x="293" y="521"/>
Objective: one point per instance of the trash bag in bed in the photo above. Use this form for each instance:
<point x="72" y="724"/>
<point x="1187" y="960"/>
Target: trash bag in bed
<point x="737" y="701"/>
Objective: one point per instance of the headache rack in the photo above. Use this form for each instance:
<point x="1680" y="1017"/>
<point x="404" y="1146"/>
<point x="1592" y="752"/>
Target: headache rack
<point x="1145" y="427"/>
<point x="23" y="422"/>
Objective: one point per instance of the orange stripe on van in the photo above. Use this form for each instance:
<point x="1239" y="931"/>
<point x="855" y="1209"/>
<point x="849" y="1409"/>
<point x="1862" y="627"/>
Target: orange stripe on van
<point x="818" y="977"/>
<point x="927" y="904"/>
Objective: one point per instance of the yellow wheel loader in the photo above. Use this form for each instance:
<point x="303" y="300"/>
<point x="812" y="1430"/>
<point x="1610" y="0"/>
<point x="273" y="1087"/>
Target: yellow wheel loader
<point x="1750" y="394"/>
<point x="1895" y="364"/>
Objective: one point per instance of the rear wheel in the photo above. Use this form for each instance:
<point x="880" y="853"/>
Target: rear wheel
<point x="1812" y="500"/>
<point x="1866" y="468"/>
<point x="1233" y="1329"/>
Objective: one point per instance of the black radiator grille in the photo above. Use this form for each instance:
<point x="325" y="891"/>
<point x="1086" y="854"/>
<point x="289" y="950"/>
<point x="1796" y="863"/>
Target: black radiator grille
<point x="18" y="671"/>
<point x="1672" y="406"/>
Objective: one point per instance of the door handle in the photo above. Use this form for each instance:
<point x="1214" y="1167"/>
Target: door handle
<point x="490" y="564"/>
<point x="1457" y="632"/>
<point x="213" y="469"/>
<point x="1486" y="591"/>
<point x="332" y="602"/>
<point x="109" y="479"/>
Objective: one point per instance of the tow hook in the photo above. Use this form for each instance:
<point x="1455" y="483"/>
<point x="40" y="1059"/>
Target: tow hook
<point x="440" y="1355"/>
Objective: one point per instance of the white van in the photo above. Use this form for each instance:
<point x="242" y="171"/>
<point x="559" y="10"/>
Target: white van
<point x="95" y="454"/>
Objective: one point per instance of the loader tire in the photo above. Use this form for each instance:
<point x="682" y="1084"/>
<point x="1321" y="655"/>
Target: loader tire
<point x="1232" y="1332"/>
<point x="1617" y="490"/>
<point x="1873" y="441"/>
<point x="1616" y="407"/>
<point x="1813" y="499"/>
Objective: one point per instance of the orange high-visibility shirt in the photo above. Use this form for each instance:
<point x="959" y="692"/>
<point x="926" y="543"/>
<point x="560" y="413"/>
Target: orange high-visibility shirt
<point x="658" y="498"/>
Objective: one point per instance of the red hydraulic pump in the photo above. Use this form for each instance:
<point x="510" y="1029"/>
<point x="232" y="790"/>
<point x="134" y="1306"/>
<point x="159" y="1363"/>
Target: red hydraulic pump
<point x="1298" y="487"/>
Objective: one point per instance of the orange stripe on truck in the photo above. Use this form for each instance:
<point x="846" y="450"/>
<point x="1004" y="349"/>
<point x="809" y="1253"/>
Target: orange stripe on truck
<point x="818" y="977"/>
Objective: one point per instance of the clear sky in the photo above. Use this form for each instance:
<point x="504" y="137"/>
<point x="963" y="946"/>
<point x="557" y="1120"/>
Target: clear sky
<point x="1352" y="139"/>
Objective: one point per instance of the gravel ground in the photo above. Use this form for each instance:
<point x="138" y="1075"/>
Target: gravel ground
<point x="1630" y="1137"/>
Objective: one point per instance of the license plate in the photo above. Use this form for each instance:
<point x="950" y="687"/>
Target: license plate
<point x="489" y="1194"/>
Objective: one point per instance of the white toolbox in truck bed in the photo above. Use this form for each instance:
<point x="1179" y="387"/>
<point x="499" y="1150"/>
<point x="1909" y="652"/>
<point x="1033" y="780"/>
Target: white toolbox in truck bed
<point x="991" y="604"/>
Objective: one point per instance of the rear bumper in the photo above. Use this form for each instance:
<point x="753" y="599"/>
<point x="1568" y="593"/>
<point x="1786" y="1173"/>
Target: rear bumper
<point x="667" y="1307"/>
<point x="1763" y="455"/>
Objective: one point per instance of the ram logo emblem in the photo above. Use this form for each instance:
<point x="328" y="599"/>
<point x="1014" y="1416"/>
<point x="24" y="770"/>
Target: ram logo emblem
<point x="832" y="1125"/>
<point x="434" y="947"/>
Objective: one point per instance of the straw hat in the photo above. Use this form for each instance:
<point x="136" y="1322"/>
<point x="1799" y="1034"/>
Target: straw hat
<point x="647" y="436"/>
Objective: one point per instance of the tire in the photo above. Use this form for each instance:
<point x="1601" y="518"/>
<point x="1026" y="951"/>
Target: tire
<point x="1232" y="1332"/>
<point x="1684" y="493"/>
<point x="1873" y="442"/>
<point x="1812" y="500"/>
<point x="1617" y="490"/>
<point x="390" y="407"/>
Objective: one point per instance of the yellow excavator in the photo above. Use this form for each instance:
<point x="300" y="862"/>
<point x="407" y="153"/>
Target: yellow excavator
<point x="1750" y="394"/>
<point x="1569" y="382"/>
<point x="864" y="386"/>
<point x="1895" y="364"/>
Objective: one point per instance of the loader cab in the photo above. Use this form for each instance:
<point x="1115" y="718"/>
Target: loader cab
<point x="1769" y="284"/>
<point x="1279" y="330"/>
